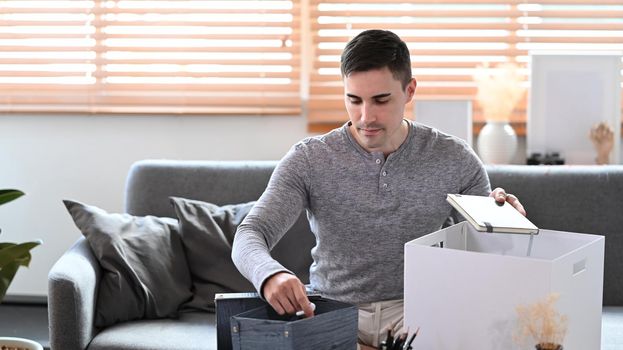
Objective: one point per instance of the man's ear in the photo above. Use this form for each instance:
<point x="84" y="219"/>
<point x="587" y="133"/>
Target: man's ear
<point x="410" y="90"/>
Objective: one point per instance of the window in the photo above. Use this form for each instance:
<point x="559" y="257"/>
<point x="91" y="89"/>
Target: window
<point x="449" y="39"/>
<point x="245" y="57"/>
<point x="127" y="56"/>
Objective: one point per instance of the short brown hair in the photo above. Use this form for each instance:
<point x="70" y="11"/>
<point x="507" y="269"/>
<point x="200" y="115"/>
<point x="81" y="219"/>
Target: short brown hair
<point x="377" y="49"/>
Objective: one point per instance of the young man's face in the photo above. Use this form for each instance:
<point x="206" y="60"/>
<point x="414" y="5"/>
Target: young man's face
<point x="375" y="102"/>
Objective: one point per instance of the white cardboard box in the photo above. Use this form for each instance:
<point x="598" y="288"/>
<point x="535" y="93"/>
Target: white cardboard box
<point x="464" y="295"/>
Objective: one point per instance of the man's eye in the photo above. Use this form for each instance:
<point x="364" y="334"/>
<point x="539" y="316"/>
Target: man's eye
<point x="355" y="102"/>
<point x="382" y="101"/>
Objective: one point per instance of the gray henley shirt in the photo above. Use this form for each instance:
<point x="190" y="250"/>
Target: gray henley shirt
<point x="362" y="208"/>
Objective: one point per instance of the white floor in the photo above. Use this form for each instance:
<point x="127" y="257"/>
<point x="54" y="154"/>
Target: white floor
<point x="612" y="328"/>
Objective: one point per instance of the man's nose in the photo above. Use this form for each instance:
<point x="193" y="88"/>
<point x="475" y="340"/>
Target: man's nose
<point x="367" y="113"/>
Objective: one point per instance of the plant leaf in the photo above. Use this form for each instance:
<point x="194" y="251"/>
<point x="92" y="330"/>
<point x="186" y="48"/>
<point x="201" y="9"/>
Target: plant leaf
<point x="9" y="195"/>
<point x="16" y="253"/>
<point x="6" y="276"/>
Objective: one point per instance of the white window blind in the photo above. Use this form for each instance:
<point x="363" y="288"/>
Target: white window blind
<point x="205" y="57"/>
<point x="449" y="39"/>
<point x="244" y="57"/>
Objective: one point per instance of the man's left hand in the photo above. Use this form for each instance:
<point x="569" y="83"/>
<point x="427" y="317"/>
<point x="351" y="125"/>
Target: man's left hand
<point x="501" y="196"/>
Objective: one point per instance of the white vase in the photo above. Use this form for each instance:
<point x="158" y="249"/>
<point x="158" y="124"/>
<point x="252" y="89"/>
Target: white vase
<point x="497" y="143"/>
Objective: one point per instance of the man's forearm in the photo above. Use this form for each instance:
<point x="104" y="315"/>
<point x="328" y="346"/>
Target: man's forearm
<point x="252" y="257"/>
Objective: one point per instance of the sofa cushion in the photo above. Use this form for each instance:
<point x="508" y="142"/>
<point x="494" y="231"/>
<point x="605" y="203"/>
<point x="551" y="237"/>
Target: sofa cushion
<point x="192" y="331"/>
<point x="207" y="232"/>
<point x="144" y="275"/>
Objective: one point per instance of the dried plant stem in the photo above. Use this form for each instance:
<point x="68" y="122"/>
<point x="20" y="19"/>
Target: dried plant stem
<point x="541" y="322"/>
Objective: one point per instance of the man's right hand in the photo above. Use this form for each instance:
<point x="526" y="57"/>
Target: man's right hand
<point x="286" y="294"/>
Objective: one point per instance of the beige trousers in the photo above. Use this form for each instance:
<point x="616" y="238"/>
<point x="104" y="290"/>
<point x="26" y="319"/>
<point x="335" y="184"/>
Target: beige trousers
<point x="376" y="318"/>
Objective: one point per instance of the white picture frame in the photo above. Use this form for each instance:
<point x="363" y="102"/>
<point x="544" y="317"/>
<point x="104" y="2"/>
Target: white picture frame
<point x="453" y="117"/>
<point x="571" y="92"/>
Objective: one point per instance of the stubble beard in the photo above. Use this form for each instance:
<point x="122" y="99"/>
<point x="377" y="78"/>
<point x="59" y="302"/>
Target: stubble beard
<point x="372" y="140"/>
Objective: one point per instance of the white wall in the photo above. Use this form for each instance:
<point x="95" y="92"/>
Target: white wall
<point x="87" y="158"/>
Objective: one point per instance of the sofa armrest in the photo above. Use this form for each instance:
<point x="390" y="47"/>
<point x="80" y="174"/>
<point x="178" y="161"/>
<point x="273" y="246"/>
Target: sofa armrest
<point x="72" y="292"/>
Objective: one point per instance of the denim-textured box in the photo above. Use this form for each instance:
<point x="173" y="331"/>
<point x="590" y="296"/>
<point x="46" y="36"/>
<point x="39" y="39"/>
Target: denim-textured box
<point x="228" y="305"/>
<point x="334" y="326"/>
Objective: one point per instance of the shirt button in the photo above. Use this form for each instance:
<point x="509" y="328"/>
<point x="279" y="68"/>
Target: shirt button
<point x="385" y="173"/>
<point x="378" y="161"/>
<point x="384" y="185"/>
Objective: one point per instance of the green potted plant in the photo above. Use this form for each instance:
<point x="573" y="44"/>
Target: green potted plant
<point x="12" y="255"/>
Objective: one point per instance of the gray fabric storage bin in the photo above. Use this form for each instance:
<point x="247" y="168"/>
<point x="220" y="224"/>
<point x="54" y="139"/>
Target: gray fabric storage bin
<point x="334" y="326"/>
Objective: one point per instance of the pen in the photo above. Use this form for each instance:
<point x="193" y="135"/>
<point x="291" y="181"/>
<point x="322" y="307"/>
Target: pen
<point x="397" y="343"/>
<point x="387" y="343"/>
<point x="407" y="345"/>
<point x="302" y="313"/>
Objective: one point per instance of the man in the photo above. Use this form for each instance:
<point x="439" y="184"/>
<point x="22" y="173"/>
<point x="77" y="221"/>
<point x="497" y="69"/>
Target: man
<point x="368" y="188"/>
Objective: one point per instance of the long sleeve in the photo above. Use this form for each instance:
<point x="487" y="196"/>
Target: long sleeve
<point x="475" y="178"/>
<point x="274" y="213"/>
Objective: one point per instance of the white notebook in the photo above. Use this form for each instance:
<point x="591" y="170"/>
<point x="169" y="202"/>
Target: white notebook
<point x="486" y="215"/>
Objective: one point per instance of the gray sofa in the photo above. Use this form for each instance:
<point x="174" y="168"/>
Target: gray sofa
<point x="581" y="199"/>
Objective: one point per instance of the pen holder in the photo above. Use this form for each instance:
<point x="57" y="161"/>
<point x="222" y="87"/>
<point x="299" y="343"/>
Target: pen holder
<point x="334" y="326"/>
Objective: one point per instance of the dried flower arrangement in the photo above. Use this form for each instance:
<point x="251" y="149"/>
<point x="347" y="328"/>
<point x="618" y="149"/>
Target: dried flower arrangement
<point x="499" y="90"/>
<point x="541" y="322"/>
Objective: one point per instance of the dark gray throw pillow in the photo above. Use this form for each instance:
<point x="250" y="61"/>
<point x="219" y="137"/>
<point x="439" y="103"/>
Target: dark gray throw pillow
<point x="145" y="275"/>
<point x="207" y="234"/>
